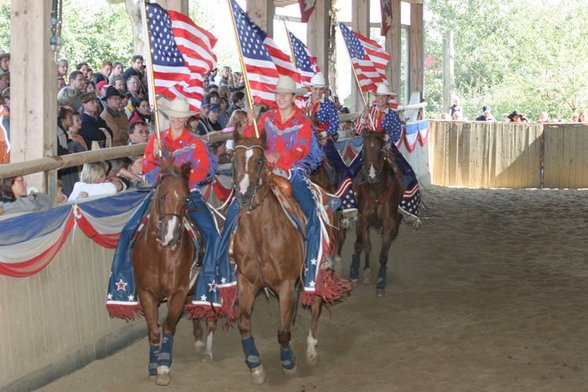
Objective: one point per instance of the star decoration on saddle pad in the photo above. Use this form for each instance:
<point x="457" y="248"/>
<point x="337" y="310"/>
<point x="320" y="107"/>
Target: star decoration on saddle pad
<point x="212" y="286"/>
<point x="120" y="285"/>
<point x="109" y="296"/>
<point x="313" y="262"/>
<point x="203" y="297"/>
<point x="131" y="297"/>
<point x="312" y="284"/>
<point x="223" y="280"/>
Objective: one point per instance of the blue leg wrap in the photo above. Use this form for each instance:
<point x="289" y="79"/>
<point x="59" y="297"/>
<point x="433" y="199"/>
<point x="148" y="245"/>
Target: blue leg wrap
<point x="287" y="358"/>
<point x="153" y="353"/>
<point x="354" y="271"/>
<point x="381" y="283"/>
<point x="165" y="352"/>
<point x="251" y="355"/>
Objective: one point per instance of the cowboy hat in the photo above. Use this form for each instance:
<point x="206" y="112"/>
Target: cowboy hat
<point x="112" y="91"/>
<point x="287" y="85"/>
<point x="383" y="89"/>
<point x="178" y="107"/>
<point x="317" y="80"/>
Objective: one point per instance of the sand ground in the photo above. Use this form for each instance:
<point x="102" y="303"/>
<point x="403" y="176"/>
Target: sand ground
<point x="490" y="294"/>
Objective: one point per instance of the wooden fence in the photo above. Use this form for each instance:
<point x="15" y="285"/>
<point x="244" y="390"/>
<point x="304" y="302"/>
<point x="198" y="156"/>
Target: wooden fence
<point x="507" y="155"/>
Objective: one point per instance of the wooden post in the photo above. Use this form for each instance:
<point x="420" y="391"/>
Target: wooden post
<point x="317" y="33"/>
<point x="176" y="5"/>
<point x="33" y="103"/>
<point x="360" y="22"/>
<point x="448" y="70"/>
<point x="262" y="13"/>
<point x="416" y="60"/>
<point x="393" y="46"/>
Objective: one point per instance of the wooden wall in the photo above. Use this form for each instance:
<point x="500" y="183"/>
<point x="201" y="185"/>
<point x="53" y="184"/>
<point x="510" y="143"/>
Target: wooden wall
<point x="485" y="155"/>
<point x="55" y="321"/>
<point x="566" y="156"/>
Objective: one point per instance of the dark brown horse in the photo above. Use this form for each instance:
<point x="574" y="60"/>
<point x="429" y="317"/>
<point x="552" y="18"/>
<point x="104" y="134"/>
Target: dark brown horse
<point x="379" y="191"/>
<point x="269" y="252"/>
<point x="162" y="258"/>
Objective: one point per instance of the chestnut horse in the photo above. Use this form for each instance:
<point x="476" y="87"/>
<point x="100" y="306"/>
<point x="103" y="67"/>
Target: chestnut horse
<point x="269" y="252"/>
<point x="162" y="257"/>
<point x="379" y="191"/>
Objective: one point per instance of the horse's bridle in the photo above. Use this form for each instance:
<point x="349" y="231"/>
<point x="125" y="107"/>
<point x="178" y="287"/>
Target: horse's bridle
<point x="161" y="199"/>
<point x="363" y="178"/>
<point x="251" y="192"/>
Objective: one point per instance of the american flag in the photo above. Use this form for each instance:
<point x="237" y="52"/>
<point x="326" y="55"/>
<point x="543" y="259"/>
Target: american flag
<point x="194" y="45"/>
<point x="305" y="62"/>
<point x="264" y="60"/>
<point x="368" y="58"/>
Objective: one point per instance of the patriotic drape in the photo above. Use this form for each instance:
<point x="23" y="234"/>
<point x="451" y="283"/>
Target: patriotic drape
<point x="386" y="9"/>
<point x="305" y="62"/>
<point x="264" y="60"/>
<point x="368" y="59"/>
<point x="306" y="9"/>
<point x="29" y="242"/>
<point x="178" y="47"/>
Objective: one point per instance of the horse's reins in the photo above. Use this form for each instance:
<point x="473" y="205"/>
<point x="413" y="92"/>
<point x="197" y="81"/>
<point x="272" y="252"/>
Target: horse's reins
<point x="259" y="178"/>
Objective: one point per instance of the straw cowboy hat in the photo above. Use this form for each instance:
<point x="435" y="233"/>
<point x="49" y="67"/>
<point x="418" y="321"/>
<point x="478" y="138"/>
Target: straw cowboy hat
<point x="178" y="107"/>
<point x="317" y="80"/>
<point x="383" y="89"/>
<point x="287" y="85"/>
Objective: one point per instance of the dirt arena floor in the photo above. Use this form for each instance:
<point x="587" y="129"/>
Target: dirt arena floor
<point x="490" y="294"/>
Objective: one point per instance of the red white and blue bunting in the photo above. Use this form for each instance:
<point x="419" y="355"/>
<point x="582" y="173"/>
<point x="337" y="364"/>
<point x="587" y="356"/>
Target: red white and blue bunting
<point x="29" y="242"/>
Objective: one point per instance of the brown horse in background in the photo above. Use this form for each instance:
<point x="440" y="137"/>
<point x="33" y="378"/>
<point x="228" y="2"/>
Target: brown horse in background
<point x="379" y="191"/>
<point x="162" y="258"/>
<point x="269" y="252"/>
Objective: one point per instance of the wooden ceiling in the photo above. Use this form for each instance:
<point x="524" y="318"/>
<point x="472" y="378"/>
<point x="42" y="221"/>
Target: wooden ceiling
<point x="284" y="3"/>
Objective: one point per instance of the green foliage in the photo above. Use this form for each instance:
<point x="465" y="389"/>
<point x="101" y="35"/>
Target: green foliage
<point x="525" y="55"/>
<point x="5" y="25"/>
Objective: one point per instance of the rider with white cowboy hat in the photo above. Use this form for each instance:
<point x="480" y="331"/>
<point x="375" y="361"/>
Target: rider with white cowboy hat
<point x="184" y="147"/>
<point x="291" y="149"/>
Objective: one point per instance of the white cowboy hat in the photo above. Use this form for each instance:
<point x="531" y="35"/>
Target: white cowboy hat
<point x="178" y="107"/>
<point x="317" y="80"/>
<point x="287" y="85"/>
<point x="383" y="89"/>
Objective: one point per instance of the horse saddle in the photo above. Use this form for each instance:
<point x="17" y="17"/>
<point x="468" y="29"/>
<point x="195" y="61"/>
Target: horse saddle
<point x="282" y="189"/>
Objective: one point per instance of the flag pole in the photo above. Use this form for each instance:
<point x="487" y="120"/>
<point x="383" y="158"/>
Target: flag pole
<point x="357" y="79"/>
<point x="243" y="69"/>
<point x="150" y="79"/>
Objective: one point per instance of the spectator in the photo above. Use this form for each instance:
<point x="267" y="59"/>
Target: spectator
<point x="211" y="122"/>
<point x="135" y="68"/>
<point x="104" y="73"/>
<point x="119" y="83"/>
<point x="83" y="67"/>
<point x="582" y="117"/>
<point x="77" y="142"/>
<point x="117" y="70"/>
<point x="62" y="67"/>
<point x="455" y="108"/>
<point x="90" y="76"/>
<point x="486" y="114"/>
<point x="142" y="111"/>
<point x="225" y="76"/>
<point x="5" y="126"/>
<point x="60" y="83"/>
<point x="237" y="101"/>
<point x="90" y="87"/>
<point x="515" y="117"/>
<point x="14" y="197"/>
<point x="77" y="81"/>
<point x="138" y="132"/>
<point x="68" y="96"/>
<point x="543" y="117"/>
<point x="70" y="175"/>
<point x="4" y="61"/>
<point x="4" y="80"/>
<point x="115" y="117"/>
<point x="134" y="86"/>
<point x="574" y="117"/>
<point x="93" y="182"/>
<point x="224" y="115"/>
<point x="94" y="130"/>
